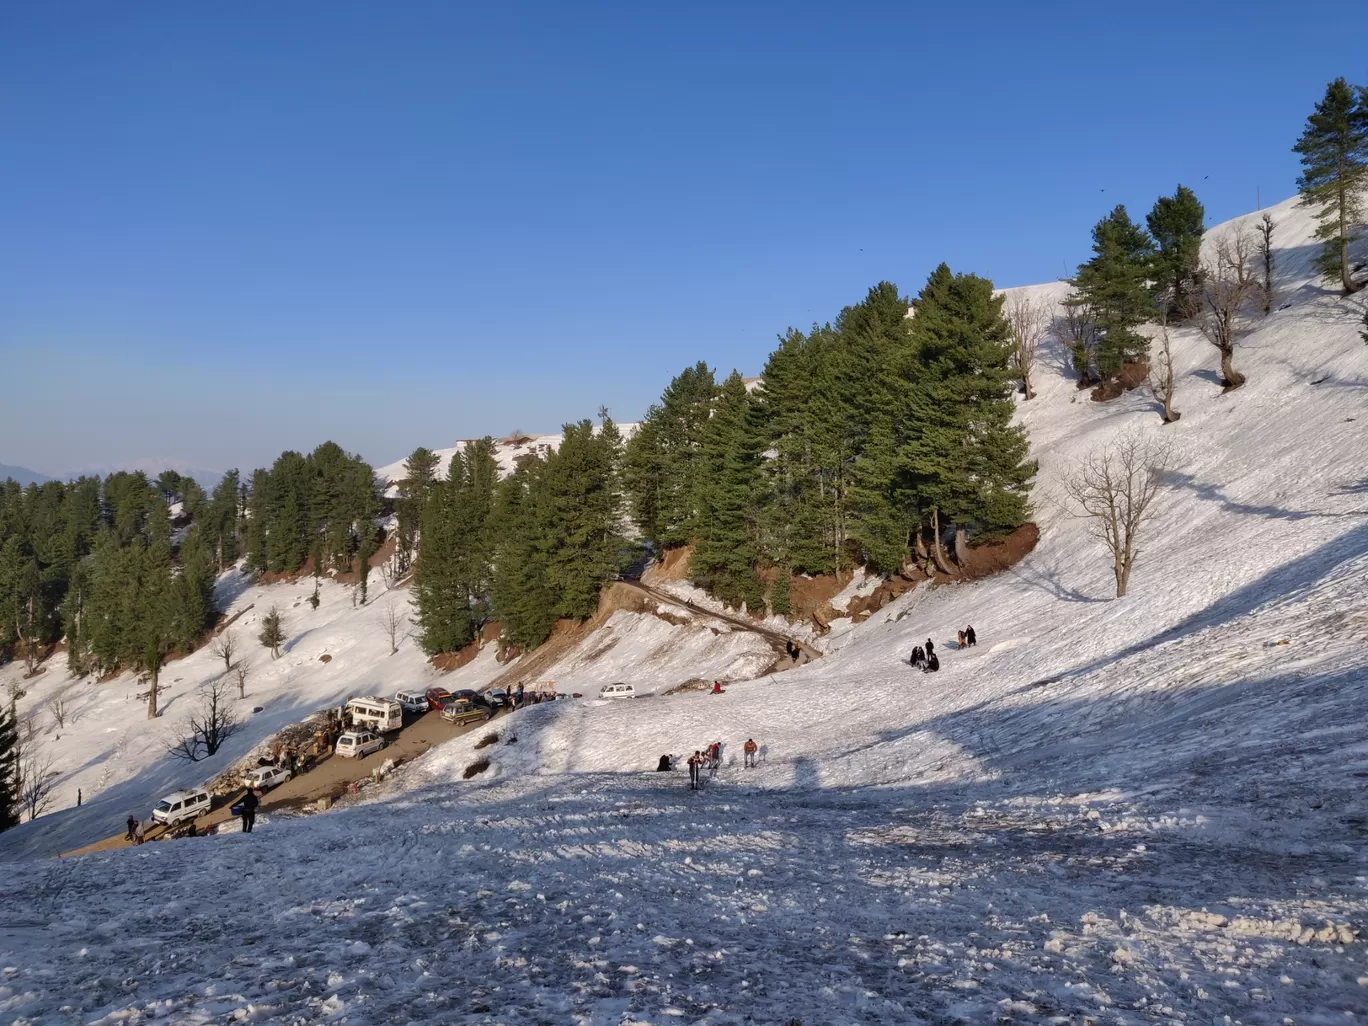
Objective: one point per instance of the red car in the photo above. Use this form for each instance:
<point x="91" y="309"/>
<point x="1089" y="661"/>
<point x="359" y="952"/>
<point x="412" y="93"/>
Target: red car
<point x="438" y="697"/>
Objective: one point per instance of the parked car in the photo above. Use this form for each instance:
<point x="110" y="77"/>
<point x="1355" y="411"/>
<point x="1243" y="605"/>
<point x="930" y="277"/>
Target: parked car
<point x="461" y="712"/>
<point x="412" y="701"/>
<point x="467" y="695"/>
<point x="263" y="778"/>
<point x="356" y="743"/>
<point x="438" y="697"/>
<point x="618" y="690"/>
<point x="180" y="806"/>
<point x="379" y="714"/>
<point x="497" y="699"/>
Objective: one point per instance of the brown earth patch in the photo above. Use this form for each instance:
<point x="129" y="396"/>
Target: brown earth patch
<point x="993" y="557"/>
<point x="1132" y="376"/>
<point x="325" y="658"/>
<point x="475" y="768"/>
<point x="673" y="565"/>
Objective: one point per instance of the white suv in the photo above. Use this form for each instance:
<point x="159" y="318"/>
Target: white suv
<point x="356" y="743"/>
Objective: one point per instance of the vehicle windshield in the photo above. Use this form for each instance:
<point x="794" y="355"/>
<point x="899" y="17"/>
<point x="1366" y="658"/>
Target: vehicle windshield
<point x="163" y="806"/>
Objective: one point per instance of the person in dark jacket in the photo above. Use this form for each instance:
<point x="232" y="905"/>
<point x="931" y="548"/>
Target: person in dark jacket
<point x="970" y="636"/>
<point x="932" y="664"/>
<point x="132" y="824"/>
<point x="918" y="656"/>
<point x="930" y="648"/>
<point x="249" y="806"/>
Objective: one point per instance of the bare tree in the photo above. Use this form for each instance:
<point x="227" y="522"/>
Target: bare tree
<point x="224" y="647"/>
<point x="240" y="675"/>
<point x="1076" y="329"/>
<point x="392" y="623"/>
<point x="1114" y="486"/>
<point x="1161" y="376"/>
<point x="1228" y="287"/>
<point x="209" y="727"/>
<point x="61" y="711"/>
<point x="1265" y="230"/>
<point x="1028" y="319"/>
<point x="36" y="781"/>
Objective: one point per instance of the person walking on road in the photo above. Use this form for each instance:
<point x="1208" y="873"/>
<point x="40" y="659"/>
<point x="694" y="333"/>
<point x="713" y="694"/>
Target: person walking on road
<point x="132" y="826"/>
<point x="750" y="748"/>
<point x="249" y="807"/>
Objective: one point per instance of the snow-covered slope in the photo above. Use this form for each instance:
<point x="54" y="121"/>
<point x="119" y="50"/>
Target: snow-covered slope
<point x="507" y="451"/>
<point x="1144" y="810"/>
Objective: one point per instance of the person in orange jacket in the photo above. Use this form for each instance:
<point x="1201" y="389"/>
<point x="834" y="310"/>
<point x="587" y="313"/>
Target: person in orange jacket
<point x="750" y="748"/>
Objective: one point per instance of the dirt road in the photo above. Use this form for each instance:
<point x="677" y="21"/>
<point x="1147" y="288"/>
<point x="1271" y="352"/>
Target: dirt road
<point x="328" y="778"/>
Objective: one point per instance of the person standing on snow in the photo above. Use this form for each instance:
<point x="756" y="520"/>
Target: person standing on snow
<point x="249" y="807"/>
<point x="970" y="636"/>
<point x="695" y="764"/>
<point x="918" y="656"/>
<point x="930" y="648"/>
<point x="750" y="748"/>
<point x="714" y="758"/>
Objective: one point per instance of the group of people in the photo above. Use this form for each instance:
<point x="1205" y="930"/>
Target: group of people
<point x="709" y="759"/>
<point x="926" y="658"/>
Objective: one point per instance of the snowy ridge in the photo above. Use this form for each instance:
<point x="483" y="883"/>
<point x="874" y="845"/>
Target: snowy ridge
<point x="507" y="452"/>
<point x="1144" y="810"/>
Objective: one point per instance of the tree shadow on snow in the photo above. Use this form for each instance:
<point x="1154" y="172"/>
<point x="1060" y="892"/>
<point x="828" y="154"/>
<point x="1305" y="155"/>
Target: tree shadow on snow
<point x="1048" y="580"/>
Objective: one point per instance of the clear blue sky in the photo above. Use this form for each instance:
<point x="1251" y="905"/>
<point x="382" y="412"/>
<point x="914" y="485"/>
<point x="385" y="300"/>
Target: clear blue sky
<point x="226" y="230"/>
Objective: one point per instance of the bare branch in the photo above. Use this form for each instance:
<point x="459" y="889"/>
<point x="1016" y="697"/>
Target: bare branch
<point x="1162" y="380"/>
<point x="240" y="675"/>
<point x="209" y="727"/>
<point x="393" y="623"/>
<point x="224" y="647"/>
<point x="36" y="780"/>
<point x="1229" y="286"/>
<point x="1028" y="319"/>
<point x="1114" y="487"/>
<point x="61" y="711"/>
<point x="1076" y="329"/>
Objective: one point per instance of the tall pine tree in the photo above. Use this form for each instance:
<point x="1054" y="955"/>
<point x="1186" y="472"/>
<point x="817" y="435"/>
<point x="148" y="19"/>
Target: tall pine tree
<point x="1334" y="157"/>
<point x="1115" y="286"/>
<point x="1176" y="224"/>
<point x="725" y="558"/>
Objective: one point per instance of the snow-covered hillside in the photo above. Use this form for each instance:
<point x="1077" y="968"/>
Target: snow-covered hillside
<point x="1141" y="810"/>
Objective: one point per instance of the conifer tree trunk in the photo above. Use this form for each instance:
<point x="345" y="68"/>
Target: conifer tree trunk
<point x="938" y="555"/>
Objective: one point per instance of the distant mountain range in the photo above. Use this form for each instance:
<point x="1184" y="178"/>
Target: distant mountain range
<point x="22" y="474"/>
<point x="207" y="479"/>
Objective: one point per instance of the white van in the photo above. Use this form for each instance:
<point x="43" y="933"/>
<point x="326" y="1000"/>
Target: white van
<point x="380" y="714"/>
<point x="412" y="701"/>
<point x="617" y="691"/>
<point x="180" y="806"/>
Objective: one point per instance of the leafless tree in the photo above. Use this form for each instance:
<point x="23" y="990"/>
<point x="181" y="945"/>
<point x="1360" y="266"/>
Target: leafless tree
<point x="36" y="781"/>
<point x="1076" y="329"/>
<point x="61" y="710"/>
<point x="240" y="675"/>
<point x="1161" y="376"/>
<point x="392" y="622"/>
<point x="209" y="727"/>
<point x="1028" y="319"/>
<point x="1226" y="293"/>
<point x="1265" y="230"/>
<point x="224" y="647"/>
<point x="1114" y="487"/>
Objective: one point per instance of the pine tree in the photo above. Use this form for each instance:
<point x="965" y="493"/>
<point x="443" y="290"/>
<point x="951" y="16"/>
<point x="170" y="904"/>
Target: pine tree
<point x="1115" y="286"/>
<point x="1175" y="222"/>
<point x="662" y="462"/>
<point x="221" y="526"/>
<point x="968" y="464"/>
<point x="724" y="560"/>
<point x="272" y="634"/>
<point x="523" y="598"/>
<point x="10" y="802"/>
<point x="420" y="473"/>
<point x="1334" y="157"/>
<point x="585" y="507"/>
